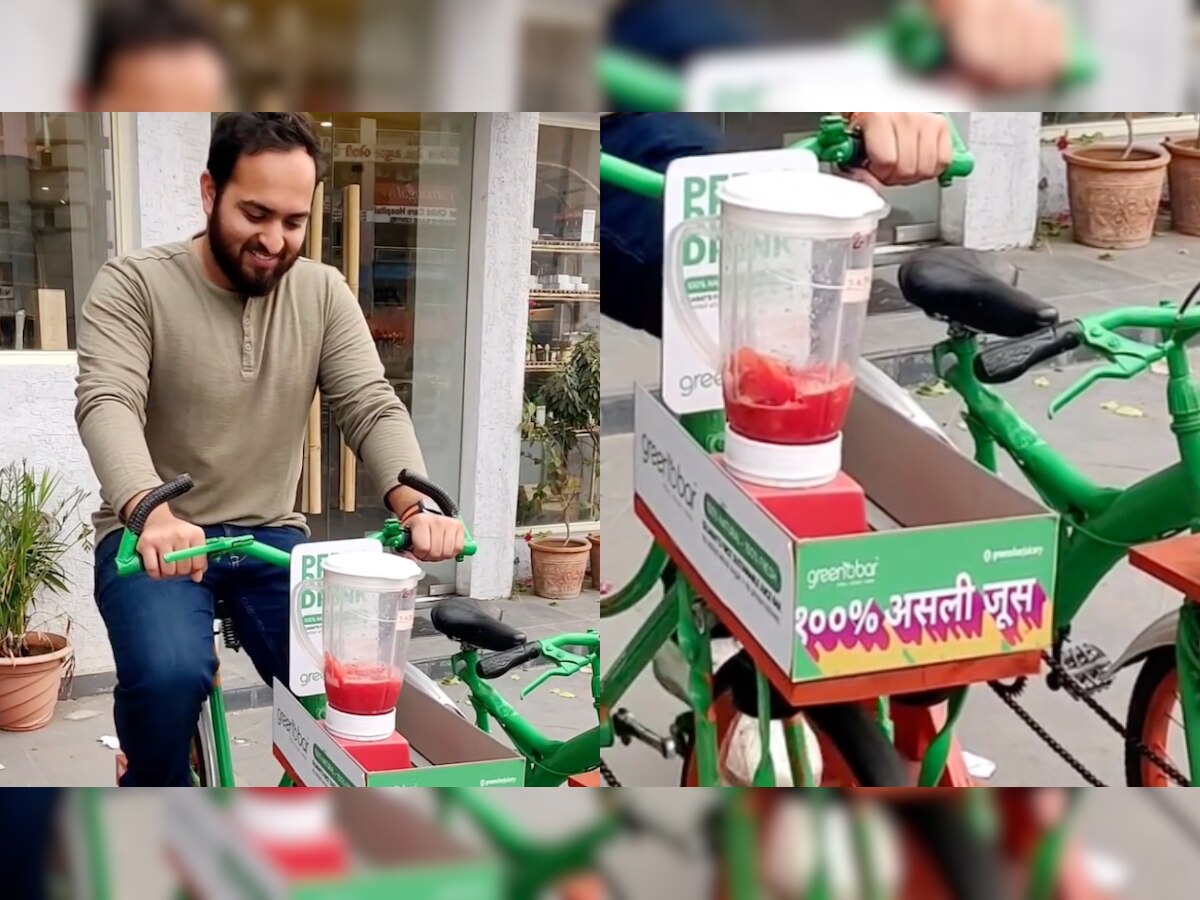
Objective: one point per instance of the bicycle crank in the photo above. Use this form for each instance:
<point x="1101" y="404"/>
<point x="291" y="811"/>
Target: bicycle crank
<point x="1077" y="671"/>
<point x="629" y="729"/>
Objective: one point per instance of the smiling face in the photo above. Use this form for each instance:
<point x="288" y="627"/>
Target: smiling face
<point x="256" y="223"/>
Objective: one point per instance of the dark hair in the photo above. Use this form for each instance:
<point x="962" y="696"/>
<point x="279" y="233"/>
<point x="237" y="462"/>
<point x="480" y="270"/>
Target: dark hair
<point x="127" y="26"/>
<point x="251" y="133"/>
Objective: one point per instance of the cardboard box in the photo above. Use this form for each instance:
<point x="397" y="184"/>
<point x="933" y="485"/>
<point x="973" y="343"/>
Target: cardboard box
<point x="968" y="574"/>
<point x="448" y="750"/>
<point x="398" y="853"/>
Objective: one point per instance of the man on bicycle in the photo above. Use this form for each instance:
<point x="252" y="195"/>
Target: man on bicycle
<point x="202" y="357"/>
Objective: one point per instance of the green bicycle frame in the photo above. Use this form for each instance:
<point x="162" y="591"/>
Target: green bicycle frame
<point x="548" y="762"/>
<point x="1100" y="524"/>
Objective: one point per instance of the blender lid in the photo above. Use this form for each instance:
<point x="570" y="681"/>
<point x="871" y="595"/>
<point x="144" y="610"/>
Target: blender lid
<point x="369" y="564"/>
<point x="803" y="194"/>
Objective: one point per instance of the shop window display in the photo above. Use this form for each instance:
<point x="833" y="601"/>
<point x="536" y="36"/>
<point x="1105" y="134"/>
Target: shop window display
<point x="560" y="451"/>
<point x="55" y="223"/>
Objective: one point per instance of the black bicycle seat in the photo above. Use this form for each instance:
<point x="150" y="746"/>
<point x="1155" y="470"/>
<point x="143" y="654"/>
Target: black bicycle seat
<point x="463" y="621"/>
<point x="950" y="285"/>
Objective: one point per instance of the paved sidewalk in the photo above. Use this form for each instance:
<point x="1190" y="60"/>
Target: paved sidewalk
<point x="68" y="751"/>
<point x="431" y="651"/>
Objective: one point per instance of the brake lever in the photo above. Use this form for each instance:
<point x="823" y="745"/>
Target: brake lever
<point x="568" y="664"/>
<point x="1127" y="359"/>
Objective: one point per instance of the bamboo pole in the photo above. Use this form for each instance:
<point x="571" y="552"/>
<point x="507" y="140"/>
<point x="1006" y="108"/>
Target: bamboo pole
<point x="310" y="500"/>
<point x="351" y="205"/>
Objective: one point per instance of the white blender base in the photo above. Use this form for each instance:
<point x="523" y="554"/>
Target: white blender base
<point x="353" y="727"/>
<point x="782" y="465"/>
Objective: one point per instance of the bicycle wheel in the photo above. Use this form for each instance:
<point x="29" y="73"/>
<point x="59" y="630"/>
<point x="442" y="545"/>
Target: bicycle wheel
<point x="864" y="749"/>
<point x="929" y="847"/>
<point x="1153" y="718"/>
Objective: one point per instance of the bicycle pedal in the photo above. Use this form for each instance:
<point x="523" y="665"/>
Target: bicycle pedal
<point x="1088" y="665"/>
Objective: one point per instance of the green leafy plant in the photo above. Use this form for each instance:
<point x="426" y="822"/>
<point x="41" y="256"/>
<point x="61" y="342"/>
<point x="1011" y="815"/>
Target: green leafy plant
<point x="562" y="417"/>
<point x="38" y="527"/>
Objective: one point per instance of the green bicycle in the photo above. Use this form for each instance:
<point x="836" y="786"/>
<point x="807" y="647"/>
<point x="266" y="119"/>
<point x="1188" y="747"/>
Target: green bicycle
<point x="1098" y="524"/>
<point x="549" y="762"/>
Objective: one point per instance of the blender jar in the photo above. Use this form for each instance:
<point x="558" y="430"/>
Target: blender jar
<point x="367" y="619"/>
<point x="795" y="276"/>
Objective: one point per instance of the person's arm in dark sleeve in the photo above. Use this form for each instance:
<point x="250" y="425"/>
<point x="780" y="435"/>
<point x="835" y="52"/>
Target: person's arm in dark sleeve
<point x="631" y="226"/>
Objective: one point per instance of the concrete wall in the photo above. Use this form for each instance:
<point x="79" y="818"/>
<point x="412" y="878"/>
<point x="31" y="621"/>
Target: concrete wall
<point x="37" y="423"/>
<point x="995" y="208"/>
<point x="497" y="318"/>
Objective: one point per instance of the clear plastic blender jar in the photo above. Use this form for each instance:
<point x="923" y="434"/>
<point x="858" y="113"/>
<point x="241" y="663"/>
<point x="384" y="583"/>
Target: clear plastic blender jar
<point x="367" y="619"/>
<point x="795" y="276"/>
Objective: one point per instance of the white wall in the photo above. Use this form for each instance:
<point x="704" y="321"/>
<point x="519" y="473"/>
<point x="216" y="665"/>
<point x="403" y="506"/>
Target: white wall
<point x="996" y="207"/>
<point x="172" y="151"/>
<point x="497" y="319"/>
<point x="37" y="423"/>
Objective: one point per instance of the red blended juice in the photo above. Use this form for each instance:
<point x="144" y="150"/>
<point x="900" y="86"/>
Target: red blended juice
<point x="362" y="688"/>
<point x="772" y="401"/>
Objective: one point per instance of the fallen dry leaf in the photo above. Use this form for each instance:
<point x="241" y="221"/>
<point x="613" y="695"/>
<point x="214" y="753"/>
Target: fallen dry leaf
<point x="1111" y="405"/>
<point x="934" y="389"/>
<point x="80" y="714"/>
<point x="1041" y="381"/>
<point x="1129" y="412"/>
<point x="962" y="426"/>
<point x="566" y="695"/>
<point x="451" y="679"/>
<point x="515" y="677"/>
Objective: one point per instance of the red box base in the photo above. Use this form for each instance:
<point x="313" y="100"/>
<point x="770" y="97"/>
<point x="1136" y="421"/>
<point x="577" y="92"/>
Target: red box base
<point x="327" y="857"/>
<point x="378" y="756"/>
<point x="839" y="507"/>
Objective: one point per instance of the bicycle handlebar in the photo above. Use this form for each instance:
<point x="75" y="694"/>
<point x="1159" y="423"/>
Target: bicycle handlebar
<point x="393" y="535"/>
<point x="835" y="142"/>
<point x="910" y="36"/>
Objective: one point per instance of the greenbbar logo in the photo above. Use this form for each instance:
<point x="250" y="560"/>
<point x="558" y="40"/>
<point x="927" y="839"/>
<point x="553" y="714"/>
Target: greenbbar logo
<point x="676" y="482"/>
<point x="848" y="572"/>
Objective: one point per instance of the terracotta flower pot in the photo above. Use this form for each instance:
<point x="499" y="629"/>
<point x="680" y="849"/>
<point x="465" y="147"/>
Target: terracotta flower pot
<point x="559" y="567"/>
<point x="1114" y="201"/>
<point x="595" y="539"/>
<point x="1183" y="180"/>
<point x="29" y="684"/>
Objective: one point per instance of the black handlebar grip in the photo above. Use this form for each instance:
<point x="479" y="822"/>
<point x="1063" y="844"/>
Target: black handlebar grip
<point x="1008" y="360"/>
<point x="858" y="153"/>
<point x="173" y="489"/>
<point x="429" y="489"/>
<point x="497" y="664"/>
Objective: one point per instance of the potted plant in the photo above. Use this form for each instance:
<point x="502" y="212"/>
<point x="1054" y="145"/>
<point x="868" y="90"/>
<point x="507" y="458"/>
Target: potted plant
<point x="38" y="526"/>
<point x="564" y="410"/>
<point x="1115" y="191"/>
<point x="1183" y="180"/>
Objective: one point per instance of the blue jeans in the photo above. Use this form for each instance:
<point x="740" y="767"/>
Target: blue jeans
<point x="162" y="642"/>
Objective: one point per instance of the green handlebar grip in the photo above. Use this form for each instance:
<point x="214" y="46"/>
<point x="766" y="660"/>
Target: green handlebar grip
<point x="469" y="547"/>
<point x="631" y="176"/>
<point x="644" y="85"/>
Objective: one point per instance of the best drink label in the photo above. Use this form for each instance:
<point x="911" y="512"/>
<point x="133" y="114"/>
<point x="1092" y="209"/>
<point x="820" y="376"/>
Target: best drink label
<point x="305" y="674"/>
<point x="689" y="383"/>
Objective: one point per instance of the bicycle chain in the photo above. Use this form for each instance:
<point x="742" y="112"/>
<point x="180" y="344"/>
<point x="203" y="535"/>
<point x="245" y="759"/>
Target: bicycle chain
<point x="608" y="775"/>
<point x="1008" y="693"/>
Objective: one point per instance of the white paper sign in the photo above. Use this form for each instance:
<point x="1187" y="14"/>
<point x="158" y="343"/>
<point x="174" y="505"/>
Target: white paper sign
<point x="736" y="548"/>
<point x="689" y="383"/>
<point x="305" y="675"/>
<point x="827" y="78"/>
